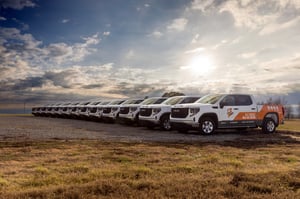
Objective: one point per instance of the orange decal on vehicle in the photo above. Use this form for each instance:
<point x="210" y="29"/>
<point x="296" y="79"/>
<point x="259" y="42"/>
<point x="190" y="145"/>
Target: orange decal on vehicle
<point x="264" y="110"/>
<point x="229" y="112"/>
<point x="246" y="116"/>
<point x="270" y="109"/>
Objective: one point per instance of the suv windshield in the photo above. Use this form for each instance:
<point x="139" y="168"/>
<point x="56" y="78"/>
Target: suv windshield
<point x="154" y="101"/>
<point x="104" y="103"/>
<point x="117" y="102"/>
<point x="209" y="99"/>
<point x="136" y="101"/>
<point x="173" y="100"/>
<point x="95" y="103"/>
<point x="189" y="100"/>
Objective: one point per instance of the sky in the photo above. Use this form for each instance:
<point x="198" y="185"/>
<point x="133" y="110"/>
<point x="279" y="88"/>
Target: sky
<point x="81" y="49"/>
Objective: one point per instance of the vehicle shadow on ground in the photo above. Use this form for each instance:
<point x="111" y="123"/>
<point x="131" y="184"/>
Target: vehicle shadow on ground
<point x="77" y="129"/>
<point x="250" y="138"/>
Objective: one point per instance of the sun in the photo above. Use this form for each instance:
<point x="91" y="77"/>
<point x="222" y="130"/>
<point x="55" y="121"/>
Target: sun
<point x="201" y="64"/>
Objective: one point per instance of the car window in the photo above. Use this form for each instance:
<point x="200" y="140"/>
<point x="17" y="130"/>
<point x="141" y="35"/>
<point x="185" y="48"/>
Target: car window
<point x="209" y="99"/>
<point x="189" y="100"/>
<point x="229" y="100"/>
<point x="172" y="100"/>
<point x="243" y="100"/>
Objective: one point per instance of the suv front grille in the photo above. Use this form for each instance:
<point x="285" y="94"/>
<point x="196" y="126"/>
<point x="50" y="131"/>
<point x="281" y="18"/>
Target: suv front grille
<point x="124" y="110"/>
<point x="179" y="112"/>
<point x="83" y="109"/>
<point x="93" y="110"/>
<point x="106" y="110"/>
<point x="145" y="111"/>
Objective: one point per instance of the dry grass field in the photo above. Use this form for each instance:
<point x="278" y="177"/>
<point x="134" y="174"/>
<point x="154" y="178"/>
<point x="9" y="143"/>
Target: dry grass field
<point x="249" y="167"/>
<point x="92" y="169"/>
<point x="291" y="125"/>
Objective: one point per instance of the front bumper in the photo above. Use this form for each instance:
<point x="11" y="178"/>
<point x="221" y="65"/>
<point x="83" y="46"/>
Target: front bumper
<point x="184" y="123"/>
<point x="128" y="117"/>
<point x="149" y="121"/>
<point x="110" y="116"/>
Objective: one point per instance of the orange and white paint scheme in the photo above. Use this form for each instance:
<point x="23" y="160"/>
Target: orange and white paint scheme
<point x="227" y="111"/>
<point x="262" y="111"/>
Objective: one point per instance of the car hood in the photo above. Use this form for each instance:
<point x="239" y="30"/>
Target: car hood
<point x="156" y="106"/>
<point x="191" y="105"/>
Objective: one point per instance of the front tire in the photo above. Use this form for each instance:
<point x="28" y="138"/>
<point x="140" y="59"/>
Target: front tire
<point x="269" y="126"/>
<point x="165" y="123"/>
<point x="207" y="126"/>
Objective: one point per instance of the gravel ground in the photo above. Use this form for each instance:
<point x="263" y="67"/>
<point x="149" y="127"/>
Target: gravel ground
<point x="15" y="128"/>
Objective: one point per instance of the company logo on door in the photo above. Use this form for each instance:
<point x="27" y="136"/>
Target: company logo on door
<point x="229" y="112"/>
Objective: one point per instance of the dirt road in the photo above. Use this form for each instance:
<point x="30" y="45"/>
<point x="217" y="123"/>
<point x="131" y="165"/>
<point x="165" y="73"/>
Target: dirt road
<point x="41" y="128"/>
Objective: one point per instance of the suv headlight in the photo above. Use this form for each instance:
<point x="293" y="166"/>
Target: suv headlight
<point x="194" y="111"/>
<point x="133" y="109"/>
<point x="156" y="110"/>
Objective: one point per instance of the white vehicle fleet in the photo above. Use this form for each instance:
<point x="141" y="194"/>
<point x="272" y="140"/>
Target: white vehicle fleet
<point x="85" y="110"/>
<point x="159" y="114"/>
<point x="97" y="110"/>
<point x="129" y="113"/>
<point x="111" y="111"/>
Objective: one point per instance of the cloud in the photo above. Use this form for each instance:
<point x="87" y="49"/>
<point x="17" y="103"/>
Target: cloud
<point x="2" y="18"/>
<point x="31" y="51"/>
<point x="253" y="14"/>
<point x="17" y="4"/>
<point x="248" y="55"/>
<point x="60" y="53"/>
<point x="23" y="58"/>
<point x="130" y="54"/>
<point x="146" y="5"/>
<point x="65" y="20"/>
<point x="156" y="34"/>
<point x="256" y="14"/>
<point x="103" y="81"/>
<point x="195" y="39"/>
<point x="178" y="24"/>
<point x="275" y="27"/>
<point x="107" y="33"/>
<point x="196" y="50"/>
<point x="202" y="5"/>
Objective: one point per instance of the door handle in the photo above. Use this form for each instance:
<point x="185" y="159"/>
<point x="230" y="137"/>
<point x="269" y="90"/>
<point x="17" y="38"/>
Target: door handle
<point x="253" y="108"/>
<point x="236" y="109"/>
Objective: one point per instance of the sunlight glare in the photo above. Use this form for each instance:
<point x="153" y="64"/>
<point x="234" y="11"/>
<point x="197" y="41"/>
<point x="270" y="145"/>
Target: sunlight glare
<point x="201" y="64"/>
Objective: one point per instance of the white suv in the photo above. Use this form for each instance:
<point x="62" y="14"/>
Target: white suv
<point x="111" y="111"/>
<point x="97" y="110"/>
<point x="129" y="113"/>
<point x="159" y="114"/>
<point x="85" y="111"/>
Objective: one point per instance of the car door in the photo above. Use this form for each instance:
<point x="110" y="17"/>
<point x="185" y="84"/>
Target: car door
<point x="237" y="111"/>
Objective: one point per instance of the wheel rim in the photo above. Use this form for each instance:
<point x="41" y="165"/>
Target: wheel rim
<point x="167" y="124"/>
<point x="207" y="127"/>
<point x="270" y="126"/>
